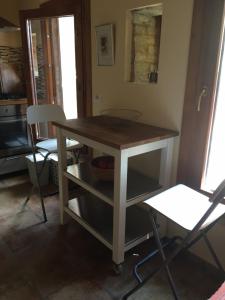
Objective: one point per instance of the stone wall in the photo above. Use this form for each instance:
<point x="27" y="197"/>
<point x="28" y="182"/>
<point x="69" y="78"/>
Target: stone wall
<point x="145" y="45"/>
<point x="13" y="55"/>
<point x="40" y="79"/>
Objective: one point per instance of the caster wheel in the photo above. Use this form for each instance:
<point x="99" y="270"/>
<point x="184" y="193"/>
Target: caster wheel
<point x="118" y="269"/>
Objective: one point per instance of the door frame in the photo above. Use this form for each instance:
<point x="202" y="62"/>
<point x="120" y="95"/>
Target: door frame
<point x="81" y="11"/>
<point x="203" y="66"/>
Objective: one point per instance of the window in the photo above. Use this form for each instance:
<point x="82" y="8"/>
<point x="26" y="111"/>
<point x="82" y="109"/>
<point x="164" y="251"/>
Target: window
<point x="199" y="105"/>
<point x="214" y="173"/>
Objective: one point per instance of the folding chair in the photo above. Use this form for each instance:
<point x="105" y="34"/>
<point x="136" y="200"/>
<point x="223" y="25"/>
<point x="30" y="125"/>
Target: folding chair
<point x="37" y="114"/>
<point x="191" y="210"/>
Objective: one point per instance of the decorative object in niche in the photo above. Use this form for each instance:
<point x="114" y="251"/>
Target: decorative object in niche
<point x="105" y="45"/>
<point x="145" y="36"/>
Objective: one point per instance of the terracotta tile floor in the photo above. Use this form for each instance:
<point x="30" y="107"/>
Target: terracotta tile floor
<point x="48" y="261"/>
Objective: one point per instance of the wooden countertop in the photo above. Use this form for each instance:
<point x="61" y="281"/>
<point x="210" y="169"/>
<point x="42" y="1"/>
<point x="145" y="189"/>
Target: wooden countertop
<point x="115" y="132"/>
<point x="13" y="101"/>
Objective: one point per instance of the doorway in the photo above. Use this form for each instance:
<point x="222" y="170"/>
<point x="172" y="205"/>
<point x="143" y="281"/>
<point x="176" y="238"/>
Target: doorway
<point x="56" y="41"/>
<point x="53" y="62"/>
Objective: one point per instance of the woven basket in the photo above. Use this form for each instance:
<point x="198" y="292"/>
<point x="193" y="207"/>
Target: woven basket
<point x="103" y="168"/>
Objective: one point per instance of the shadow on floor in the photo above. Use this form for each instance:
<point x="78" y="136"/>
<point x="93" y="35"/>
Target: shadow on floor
<point x="48" y="261"/>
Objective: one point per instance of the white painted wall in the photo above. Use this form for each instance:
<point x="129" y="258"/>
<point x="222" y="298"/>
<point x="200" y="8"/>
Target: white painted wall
<point x="10" y="39"/>
<point x="30" y="4"/>
<point x="9" y="10"/>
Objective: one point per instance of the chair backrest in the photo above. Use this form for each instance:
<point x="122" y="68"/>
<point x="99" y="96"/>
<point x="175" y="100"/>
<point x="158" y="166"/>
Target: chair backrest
<point x="219" y="193"/>
<point x="216" y="198"/>
<point x="44" y="113"/>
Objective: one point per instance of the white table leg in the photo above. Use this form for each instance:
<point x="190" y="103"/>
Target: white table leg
<point x="119" y="212"/>
<point x="166" y="164"/>
<point x="63" y="181"/>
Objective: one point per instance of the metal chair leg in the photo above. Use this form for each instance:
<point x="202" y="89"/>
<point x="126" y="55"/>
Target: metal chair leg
<point x="140" y="263"/>
<point x="165" y="243"/>
<point x="41" y="198"/>
<point x="157" y="270"/>
<point x="76" y="155"/>
<point x="36" y="173"/>
<point x="213" y="253"/>
<point x="139" y="285"/>
<point x="186" y="243"/>
<point x="44" y="163"/>
<point x="170" y="278"/>
<point x="28" y="198"/>
<point x="39" y="189"/>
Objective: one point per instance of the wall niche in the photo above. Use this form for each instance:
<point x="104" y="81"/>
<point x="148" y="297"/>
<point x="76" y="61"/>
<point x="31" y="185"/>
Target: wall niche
<point x="144" y="43"/>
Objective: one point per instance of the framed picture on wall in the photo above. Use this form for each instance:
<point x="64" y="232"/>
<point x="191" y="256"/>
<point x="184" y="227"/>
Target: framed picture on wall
<point x="105" y="45"/>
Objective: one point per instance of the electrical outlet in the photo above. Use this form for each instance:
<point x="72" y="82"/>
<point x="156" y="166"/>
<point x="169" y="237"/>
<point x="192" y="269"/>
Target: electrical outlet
<point x="97" y="98"/>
